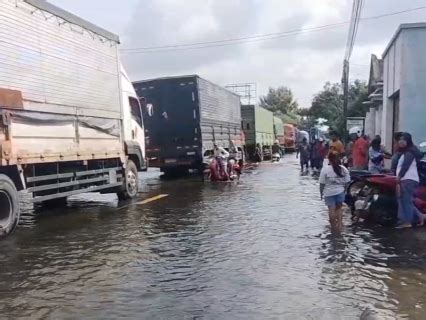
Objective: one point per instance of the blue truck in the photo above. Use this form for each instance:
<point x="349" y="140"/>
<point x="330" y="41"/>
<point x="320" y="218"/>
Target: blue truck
<point x="183" y="117"/>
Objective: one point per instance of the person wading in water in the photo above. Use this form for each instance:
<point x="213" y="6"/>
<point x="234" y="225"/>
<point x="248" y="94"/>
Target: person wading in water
<point x="333" y="180"/>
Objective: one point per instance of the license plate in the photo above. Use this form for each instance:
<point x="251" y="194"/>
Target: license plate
<point x="168" y="161"/>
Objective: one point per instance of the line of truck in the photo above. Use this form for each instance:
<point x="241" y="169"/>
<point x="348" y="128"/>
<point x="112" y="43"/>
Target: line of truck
<point x="71" y="121"/>
<point x="185" y="116"/>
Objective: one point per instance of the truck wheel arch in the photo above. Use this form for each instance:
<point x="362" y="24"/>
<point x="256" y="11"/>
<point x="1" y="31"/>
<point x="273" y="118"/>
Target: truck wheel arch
<point x="134" y="152"/>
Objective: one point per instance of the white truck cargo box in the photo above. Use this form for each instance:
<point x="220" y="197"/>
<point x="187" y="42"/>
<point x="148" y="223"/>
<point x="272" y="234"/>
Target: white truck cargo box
<point x="58" y="61"/>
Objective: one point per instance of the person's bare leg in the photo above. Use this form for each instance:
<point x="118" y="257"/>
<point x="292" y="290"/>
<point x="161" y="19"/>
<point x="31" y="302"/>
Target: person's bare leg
<point x="332" y="217"/>
<point x="339" y="215"/>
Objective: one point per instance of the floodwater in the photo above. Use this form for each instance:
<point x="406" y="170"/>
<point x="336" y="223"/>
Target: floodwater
<point x="259" y="249"/>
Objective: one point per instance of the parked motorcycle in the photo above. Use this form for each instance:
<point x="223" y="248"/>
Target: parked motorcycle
<point x="372" y="197"/>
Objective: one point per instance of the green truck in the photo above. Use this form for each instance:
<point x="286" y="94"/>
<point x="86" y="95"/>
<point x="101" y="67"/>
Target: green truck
<point x="258" y="127"/>
<point x="279" y="131"/>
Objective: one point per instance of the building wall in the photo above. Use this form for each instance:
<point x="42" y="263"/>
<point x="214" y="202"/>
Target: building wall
<point x="393" y="66"/>
<point x="413" y="92"/>
<point x="378" y="120"/>
<point x="370" y="123"/>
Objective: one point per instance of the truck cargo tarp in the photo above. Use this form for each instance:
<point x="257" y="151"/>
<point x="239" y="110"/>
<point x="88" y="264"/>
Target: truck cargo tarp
<point x="109" y="126"/>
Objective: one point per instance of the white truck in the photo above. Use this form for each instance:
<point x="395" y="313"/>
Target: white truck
<point x="70" y="120"/>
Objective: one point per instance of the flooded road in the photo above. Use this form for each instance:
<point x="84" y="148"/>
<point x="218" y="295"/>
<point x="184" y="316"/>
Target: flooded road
<point x="259" y="249"/>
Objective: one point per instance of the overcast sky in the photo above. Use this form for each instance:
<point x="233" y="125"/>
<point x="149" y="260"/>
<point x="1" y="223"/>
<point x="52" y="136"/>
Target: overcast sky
<point x="303" y="62"/>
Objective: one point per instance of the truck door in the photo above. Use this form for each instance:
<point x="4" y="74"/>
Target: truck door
<point x="138" y="134"/>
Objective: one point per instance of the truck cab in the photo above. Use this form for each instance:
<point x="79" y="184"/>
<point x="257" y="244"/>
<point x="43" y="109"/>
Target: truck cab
<point x="133" y="126"/>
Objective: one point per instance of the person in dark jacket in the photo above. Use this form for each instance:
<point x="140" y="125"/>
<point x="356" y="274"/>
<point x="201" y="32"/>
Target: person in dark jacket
<point x="408" y="178"/>
<point x="258" y="154"/>
<point x="305" y="152"/>
<point x="396" y="153"/>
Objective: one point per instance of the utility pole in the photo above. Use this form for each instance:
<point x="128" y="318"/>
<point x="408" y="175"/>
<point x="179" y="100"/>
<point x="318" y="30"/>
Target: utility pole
<point x="353" y="30"/>
<point x="345" y="85"/>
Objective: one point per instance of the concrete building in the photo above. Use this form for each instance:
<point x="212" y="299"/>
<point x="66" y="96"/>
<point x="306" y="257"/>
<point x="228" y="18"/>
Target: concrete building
<point x="373" y="120"/>
<point x="404" y="85"/>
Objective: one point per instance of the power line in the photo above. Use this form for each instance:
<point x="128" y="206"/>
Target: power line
<point x="255" y="38"/>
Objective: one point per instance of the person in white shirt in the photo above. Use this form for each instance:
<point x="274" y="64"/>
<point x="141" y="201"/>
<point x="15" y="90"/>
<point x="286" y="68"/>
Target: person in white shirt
<point x="333" y="180"/>
<point x="221" y="156"/>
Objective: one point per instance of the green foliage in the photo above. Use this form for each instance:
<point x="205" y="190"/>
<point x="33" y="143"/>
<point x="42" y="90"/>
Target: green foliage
<point x="358" y="93"/>
<point x="328" y="104"/>
<point x="279" y="100"/>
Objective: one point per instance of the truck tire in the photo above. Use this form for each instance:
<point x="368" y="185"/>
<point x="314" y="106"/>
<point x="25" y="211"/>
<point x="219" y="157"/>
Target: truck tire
<point x="9" y="206"/>
<point x="130" y="188"/>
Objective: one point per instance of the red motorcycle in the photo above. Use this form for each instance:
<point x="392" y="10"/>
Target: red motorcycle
<point x="217" y="172"/>
<point x="372" y="197"/>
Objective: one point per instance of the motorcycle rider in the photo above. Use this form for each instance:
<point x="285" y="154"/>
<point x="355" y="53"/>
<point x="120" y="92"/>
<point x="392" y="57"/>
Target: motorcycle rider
<point x="221" y="156"/>
<point x="276" y="148"/>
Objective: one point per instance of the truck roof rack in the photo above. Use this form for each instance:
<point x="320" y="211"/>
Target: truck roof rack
<point x="71" y="18"/>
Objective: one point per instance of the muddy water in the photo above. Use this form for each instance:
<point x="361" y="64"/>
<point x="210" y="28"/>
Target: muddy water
<point x="259" y="249"/>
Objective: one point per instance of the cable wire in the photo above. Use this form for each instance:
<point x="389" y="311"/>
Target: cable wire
<point x="255" y="38"/>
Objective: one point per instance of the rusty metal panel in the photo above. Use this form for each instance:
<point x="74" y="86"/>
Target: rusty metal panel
<point x="11" y="99"/>
<point x="56" y="63"/>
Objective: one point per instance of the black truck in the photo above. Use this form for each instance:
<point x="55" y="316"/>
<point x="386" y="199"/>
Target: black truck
<point x="183" y="117"/>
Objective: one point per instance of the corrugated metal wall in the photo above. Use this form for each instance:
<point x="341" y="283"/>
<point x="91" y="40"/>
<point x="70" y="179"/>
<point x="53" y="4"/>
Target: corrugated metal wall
<point x="218" y="104"/>
<point x="54" y="63"/>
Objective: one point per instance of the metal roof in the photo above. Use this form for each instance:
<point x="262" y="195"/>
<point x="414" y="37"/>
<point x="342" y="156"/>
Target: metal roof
<point x="398" y="31"/>
<point x="183" y="77"/>
<point x="71" y="18"/>
<point x="167" y="78"/>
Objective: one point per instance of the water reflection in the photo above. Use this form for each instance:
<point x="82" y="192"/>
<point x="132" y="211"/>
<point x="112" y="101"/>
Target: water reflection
<point x="257" y="249"/>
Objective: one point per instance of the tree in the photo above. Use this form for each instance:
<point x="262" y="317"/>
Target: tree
<point x="358" y="93"/>
<point x="328" y="103"/>
<point x="279" y="101"/>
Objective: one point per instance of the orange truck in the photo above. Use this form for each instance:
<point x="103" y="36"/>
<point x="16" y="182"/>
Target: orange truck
<point x="289" y="137"/>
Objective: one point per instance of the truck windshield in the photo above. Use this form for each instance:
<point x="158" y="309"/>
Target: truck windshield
<point x="135" y="109"/>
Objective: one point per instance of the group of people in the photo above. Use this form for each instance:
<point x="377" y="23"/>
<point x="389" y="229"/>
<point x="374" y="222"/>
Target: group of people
<point x="313" y="154"/>
<point x="361" y="154"/>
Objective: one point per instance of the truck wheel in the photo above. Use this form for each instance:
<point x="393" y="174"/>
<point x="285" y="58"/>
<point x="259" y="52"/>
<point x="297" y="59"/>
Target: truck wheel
<point x="131" y="182"/>
<point x="9" y="206"/>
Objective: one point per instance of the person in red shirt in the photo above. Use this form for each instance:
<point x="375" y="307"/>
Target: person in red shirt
<point x="360" y="153"/>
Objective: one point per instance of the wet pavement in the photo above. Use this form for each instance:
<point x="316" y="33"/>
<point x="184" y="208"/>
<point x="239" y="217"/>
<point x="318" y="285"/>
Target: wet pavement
<point x="257" y="249"/>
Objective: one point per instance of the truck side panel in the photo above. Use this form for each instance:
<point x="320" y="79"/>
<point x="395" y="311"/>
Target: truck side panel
<point x="264" y="126"/>
<point x="59" y="67"/>
<point x="65" y="139"/>
<point x="220" y="115"/>
<point x="218" y="104"/>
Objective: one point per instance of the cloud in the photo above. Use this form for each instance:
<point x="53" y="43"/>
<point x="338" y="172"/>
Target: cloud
<point x="303" y="62"/>
<point x="196" y="21"/>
